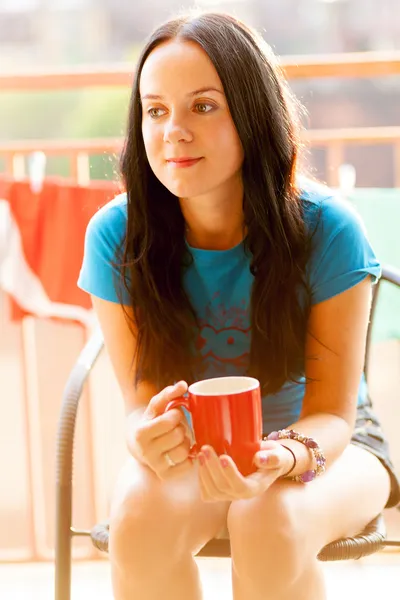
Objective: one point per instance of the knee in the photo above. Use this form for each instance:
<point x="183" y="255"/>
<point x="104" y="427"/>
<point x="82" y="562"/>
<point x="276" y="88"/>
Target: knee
<point x="266" y="536"/>
<point x="146" y="524"/>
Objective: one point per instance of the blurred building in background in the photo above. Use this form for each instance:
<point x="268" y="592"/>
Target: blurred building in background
<point x="61" y="33"/>
<point x="50" y="32"/>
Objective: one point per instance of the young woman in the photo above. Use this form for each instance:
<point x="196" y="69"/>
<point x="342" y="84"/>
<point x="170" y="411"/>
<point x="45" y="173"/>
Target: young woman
<point x="220" y="259"/>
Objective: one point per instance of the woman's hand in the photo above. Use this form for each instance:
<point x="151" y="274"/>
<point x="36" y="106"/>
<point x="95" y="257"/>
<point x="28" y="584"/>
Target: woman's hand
<point x="220" y="479"/>
<point x="162" y="440"/>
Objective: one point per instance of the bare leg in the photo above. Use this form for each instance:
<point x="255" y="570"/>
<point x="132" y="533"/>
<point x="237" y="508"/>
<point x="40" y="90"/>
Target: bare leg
<point x="155" y="529"/>
<point x="276" y="538"/>
<point x="310" y="586"/>
<point x="180" y="582"/>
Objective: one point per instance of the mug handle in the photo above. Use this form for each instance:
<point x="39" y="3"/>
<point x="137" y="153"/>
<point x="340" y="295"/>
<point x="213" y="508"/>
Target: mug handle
<point x="182" y="403"/>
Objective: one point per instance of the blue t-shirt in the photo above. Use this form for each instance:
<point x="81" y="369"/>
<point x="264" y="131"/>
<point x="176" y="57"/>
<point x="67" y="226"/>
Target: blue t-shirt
<point x="219" y="283"/>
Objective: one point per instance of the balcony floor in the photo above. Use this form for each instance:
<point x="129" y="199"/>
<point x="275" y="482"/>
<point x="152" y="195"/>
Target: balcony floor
<point x="372" y="578"/>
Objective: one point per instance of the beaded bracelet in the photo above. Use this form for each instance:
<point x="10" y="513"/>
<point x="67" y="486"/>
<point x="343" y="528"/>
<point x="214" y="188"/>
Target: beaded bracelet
<point x="289" y="434"/>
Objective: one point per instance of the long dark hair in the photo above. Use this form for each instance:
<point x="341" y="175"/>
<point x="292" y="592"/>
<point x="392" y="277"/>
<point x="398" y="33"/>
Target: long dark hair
<point x="154" y="253"/>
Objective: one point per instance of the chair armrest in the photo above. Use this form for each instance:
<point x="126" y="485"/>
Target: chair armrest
<point x="391" y="274"/>
<point x="69" y="408"/>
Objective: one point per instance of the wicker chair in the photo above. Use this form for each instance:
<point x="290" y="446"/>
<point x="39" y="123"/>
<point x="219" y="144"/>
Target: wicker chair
<point x="372" y="539"/>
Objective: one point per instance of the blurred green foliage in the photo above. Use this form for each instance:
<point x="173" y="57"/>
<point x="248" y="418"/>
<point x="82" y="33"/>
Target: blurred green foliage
<point x="90" y="113"/>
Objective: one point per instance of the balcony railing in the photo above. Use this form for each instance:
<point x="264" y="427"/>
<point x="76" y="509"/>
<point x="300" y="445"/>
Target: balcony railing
<point x="355" y="65"/>
<point x="79" y="151"/>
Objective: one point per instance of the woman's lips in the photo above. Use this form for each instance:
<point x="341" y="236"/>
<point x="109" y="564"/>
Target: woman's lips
<point x="180" y="163"/>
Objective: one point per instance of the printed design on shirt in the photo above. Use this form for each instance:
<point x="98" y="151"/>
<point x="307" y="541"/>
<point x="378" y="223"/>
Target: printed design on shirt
<point x="224" y="337"/>
<point x="226" y="345"/>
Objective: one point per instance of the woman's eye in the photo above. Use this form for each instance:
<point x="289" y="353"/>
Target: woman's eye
<point x="203" y="107"/>
<point x="155" y="113"/>
<point x="200" y="107"/>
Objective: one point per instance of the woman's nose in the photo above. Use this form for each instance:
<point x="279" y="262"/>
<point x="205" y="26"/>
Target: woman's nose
<point x="175" y="131"/>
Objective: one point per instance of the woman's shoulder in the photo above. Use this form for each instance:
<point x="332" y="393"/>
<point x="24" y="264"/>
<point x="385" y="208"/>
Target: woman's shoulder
<point x="341" y="254"/>
<point x="325" y="212"/>
<point x="108" y="225"/>
<point x="111" y="215"/>
<point x="104" y="235"/>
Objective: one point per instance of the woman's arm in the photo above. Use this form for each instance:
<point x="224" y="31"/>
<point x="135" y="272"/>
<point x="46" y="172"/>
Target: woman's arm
<point x="335" y="351"/>
<point x="120" y="344"/>
<point x="149" y="432"/>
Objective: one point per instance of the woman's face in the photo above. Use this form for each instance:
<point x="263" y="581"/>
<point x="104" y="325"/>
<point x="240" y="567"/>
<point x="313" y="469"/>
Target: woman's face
<point x="190" y="139"/>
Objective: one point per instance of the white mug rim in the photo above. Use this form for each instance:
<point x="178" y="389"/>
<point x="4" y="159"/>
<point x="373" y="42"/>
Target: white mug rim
<point x="252" y="384"/>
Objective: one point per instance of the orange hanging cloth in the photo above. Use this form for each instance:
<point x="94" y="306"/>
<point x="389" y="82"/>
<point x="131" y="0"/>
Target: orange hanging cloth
<point x="44" y="251"/>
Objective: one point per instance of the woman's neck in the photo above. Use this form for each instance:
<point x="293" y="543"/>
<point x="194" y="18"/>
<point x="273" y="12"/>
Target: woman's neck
<point x="214" y="221"/>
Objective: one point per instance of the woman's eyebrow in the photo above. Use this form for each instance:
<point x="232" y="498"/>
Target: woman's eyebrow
<point x="194" y="93"/>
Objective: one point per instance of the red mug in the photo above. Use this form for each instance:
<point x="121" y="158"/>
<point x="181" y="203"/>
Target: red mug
<point x="226" y="414"/>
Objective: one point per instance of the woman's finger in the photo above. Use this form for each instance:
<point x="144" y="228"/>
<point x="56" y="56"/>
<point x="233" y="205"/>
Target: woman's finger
<point x="241" y="486"/>
<point x="273" y="458"/>
<point x="223" y="479"/>
<point x="203" y="483"/>
<point x="170" y="456"/>
<point x="150" y="429"/>
<point x="158" y="403"/>
<point x="262" y="479"/>
<point x="175" y="455"/>
<point x="216" y="473"/>
<point x="209" y="491"/>
<point x="168" y="441"/>
<point x="168" y="472"/>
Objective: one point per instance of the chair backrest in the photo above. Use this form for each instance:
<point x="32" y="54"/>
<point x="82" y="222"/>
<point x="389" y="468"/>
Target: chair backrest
<point x="390" y="275"/>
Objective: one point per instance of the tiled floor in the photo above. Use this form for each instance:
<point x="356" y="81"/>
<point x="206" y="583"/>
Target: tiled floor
<point x="371" y="579"/>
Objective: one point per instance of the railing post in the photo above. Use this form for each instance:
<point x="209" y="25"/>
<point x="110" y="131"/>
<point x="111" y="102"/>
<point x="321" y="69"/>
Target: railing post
<point x="396" y="151"/>
<point x="80" y="168"/>
<point x="18" y="166"/>
<point x="334" y="158"/>
<point x="9" y="164"/>
<point x="83" y="168"/>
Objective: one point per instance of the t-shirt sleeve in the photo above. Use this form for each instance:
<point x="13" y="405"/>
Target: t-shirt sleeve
<point x="99" y="273"/>
<point x="342" y="255"/>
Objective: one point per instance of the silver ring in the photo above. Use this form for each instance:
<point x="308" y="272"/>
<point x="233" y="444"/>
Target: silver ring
<point x="169" y="460"/>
